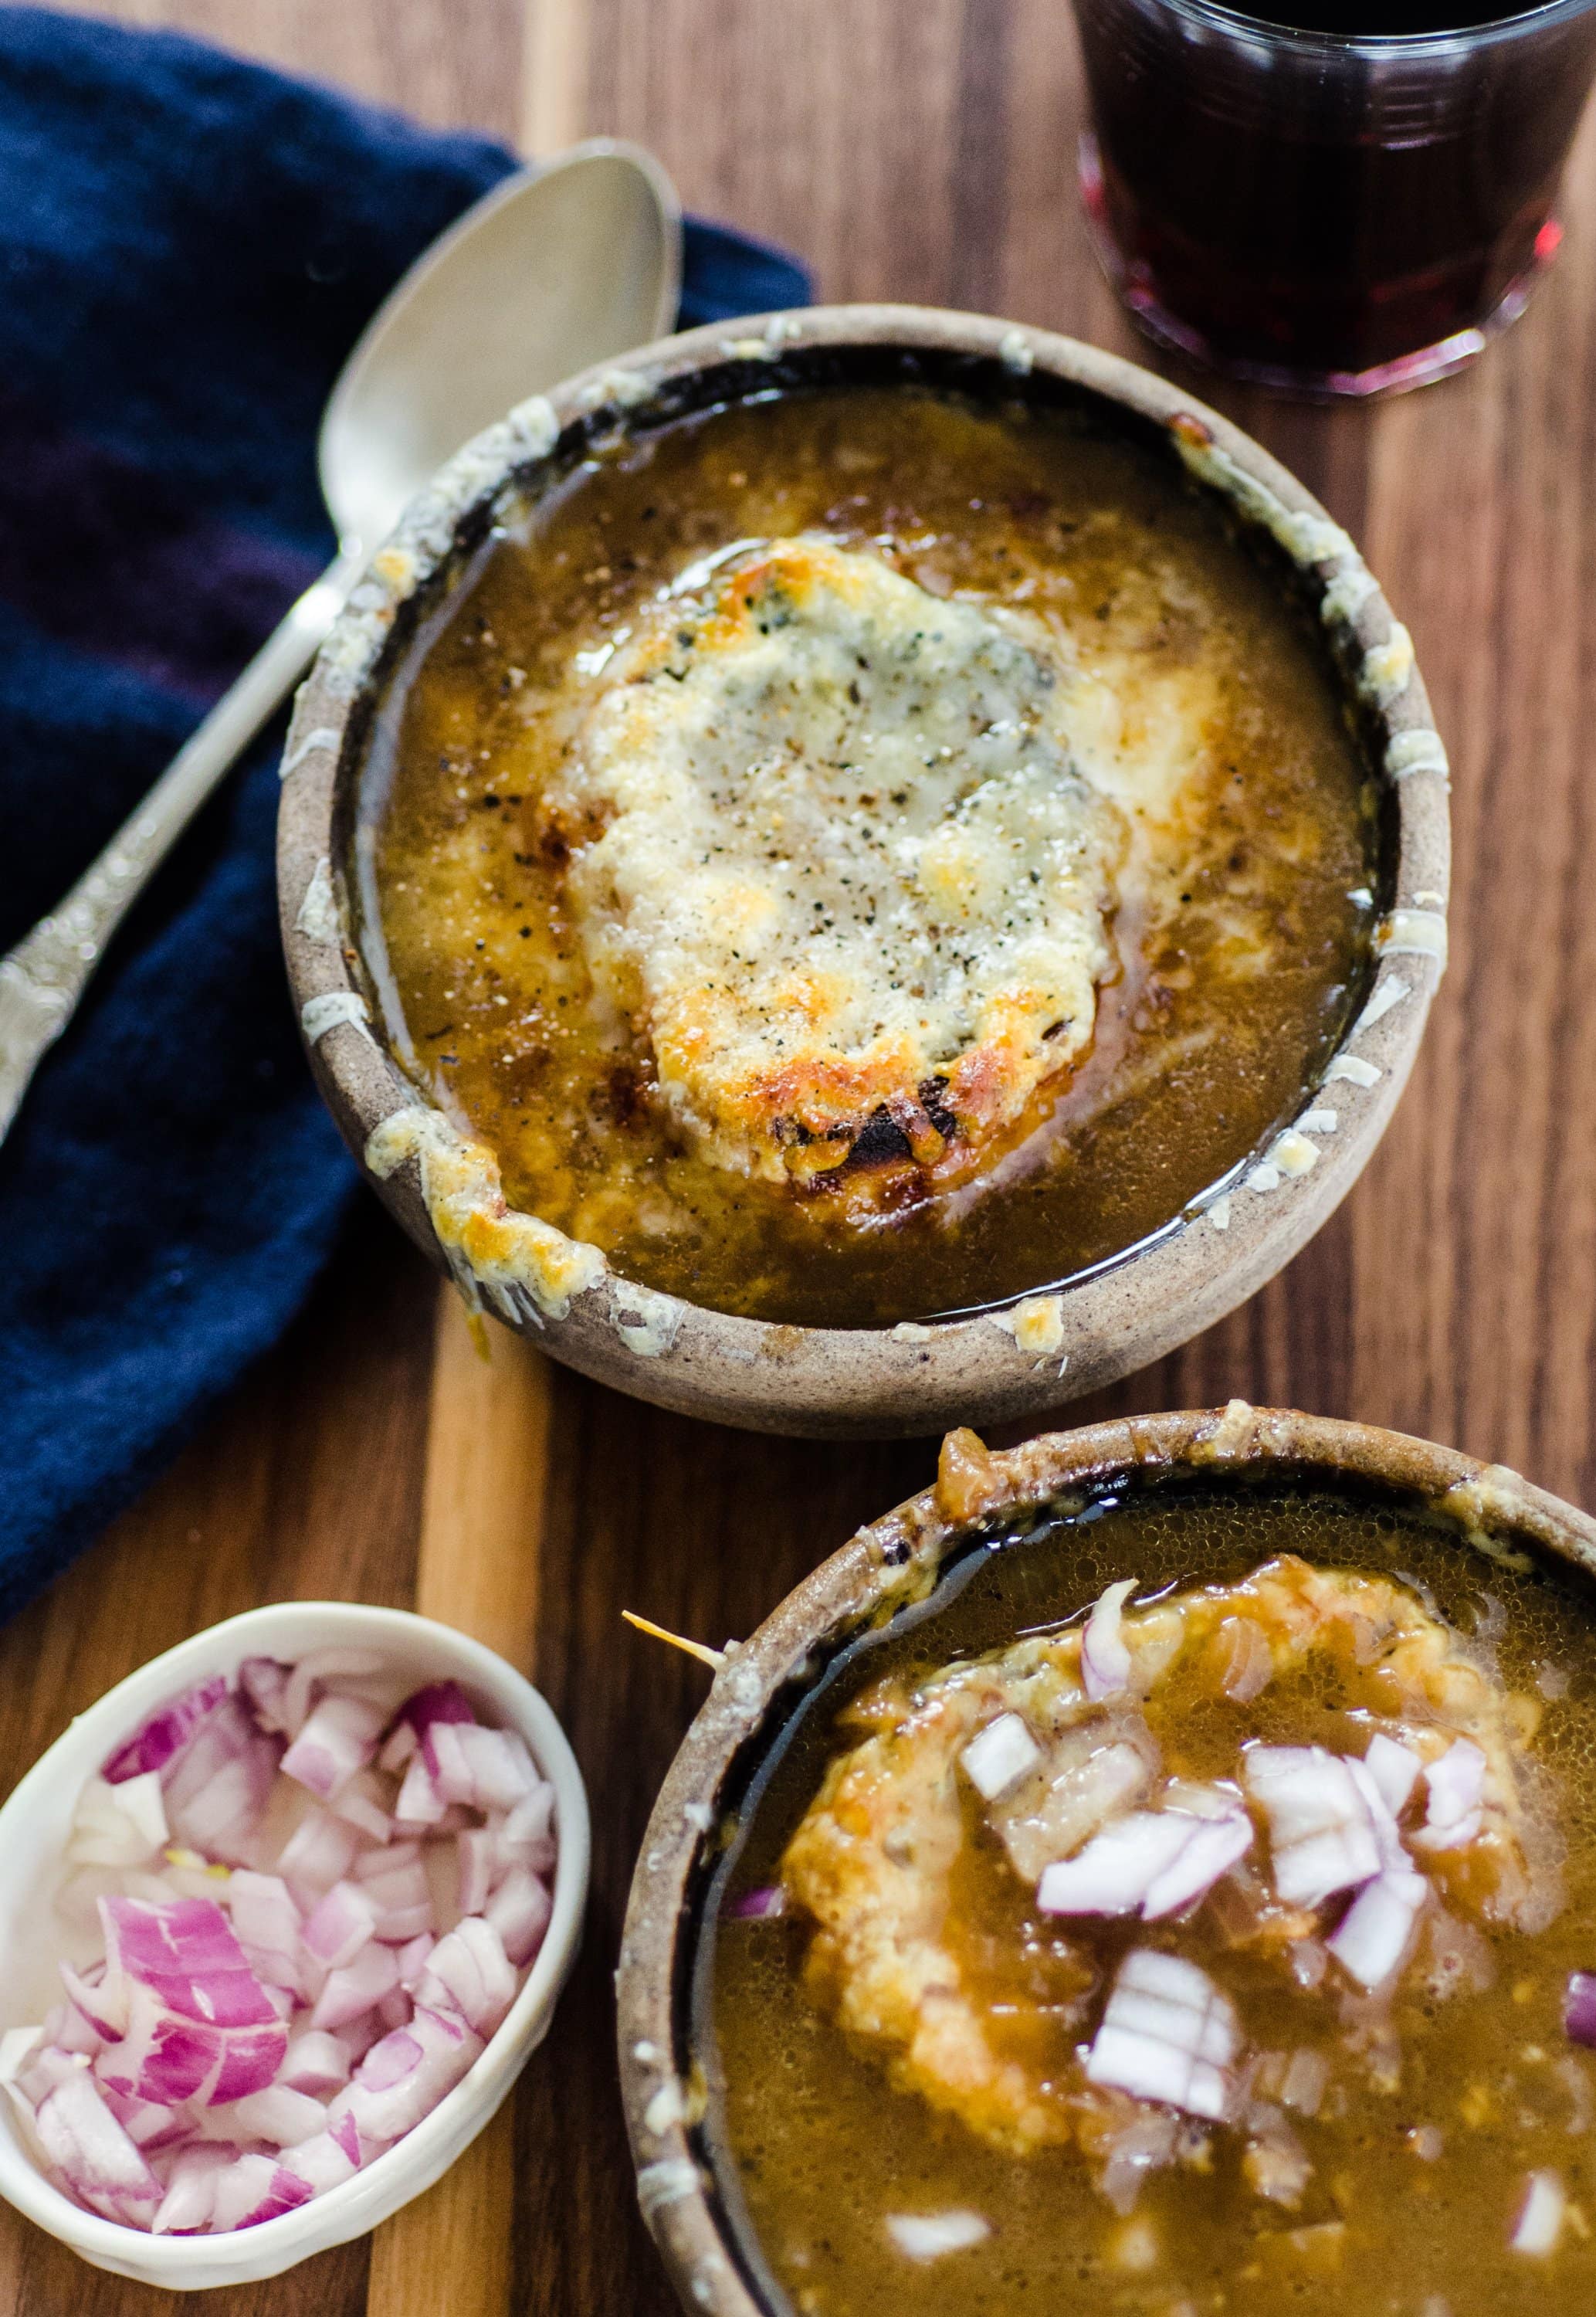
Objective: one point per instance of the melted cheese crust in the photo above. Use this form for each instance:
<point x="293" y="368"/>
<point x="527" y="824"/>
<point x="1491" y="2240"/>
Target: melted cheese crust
<point x="833" y="857"/>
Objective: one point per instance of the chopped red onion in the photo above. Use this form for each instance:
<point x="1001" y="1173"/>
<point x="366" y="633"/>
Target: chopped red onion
<point x="1319" y="1822"/>
<point x="279" y="2116"/>
<point x="1251" y="1665"/>
<point x="261" y="1994"/>
<point x="314" y="2063"/>
<point x="1377" y="1935"/>
<point x="319" y="1852"/>
<point x="1541" y="2215"/>
<point x="927" y="2236"/>
<point x="1168" y="2034"/>
<point x="520" y="1911"/>
<point x="254" y="2189"/>
<point x="1395" y="1770"/>
<point x="263" y="1683"/>
<point x="469" y="1973"/>
<point x="340" y="1926"/>
<point x="338" y="1737"/>
<point x="756" y="1906"/>
<point x="1579" y="2008"/>
<point x="1152" y="1863"/>
<point x="356" y="1987"/>
<point x="155" y="1742"/>
<point x="92" y="2152"/>
<point x="1455" y="1785"/>
<point x="1105" y="1661"/>
<point x="998" y="1757"/>
<point x="119" y="1825"/>
<point x="191" y="2191"/>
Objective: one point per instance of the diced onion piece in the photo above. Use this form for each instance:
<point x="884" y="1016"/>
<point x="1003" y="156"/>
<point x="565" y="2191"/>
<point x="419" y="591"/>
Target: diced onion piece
<point x="1105" y="1660"/>
<point x="758" y="1905"/>
<point x="1168" y="2034"/>
<point x="1114" y="1873"/>
<point x="404" y="2077"/>
<point x="998" y="1757"/>
<point x="440" y="1702"/>
<point x="927" y="2236"/>
<point x="191" y="2191"/>
<point x="1250" y="1666"/>
<point x="362" y="1803"/>
<point x="1307" y="2080"/>
<point x="356" y="1987"/>
<point x="326" y="2159"/>
<point x="480" y="1867"/>
<point x="518" y="1911"/>
<point x="263" y="1682"/>
<point x="468" y="1972"/>
<point x="267" y="1924"/>
<point x="1579" y="2008"/>
<point x="1144" y="2146"/>
<point x="1454" y="1783"/>
<point x="187" y="1955"/>
<point x="338" y="1738"/>
<point x="340" y="1925"/>
<point x="1373" y="1939"/>
<point x="155" y="1742"/>
<point x="216" y="1790"/>
<point x="1154" y="1862"/>
<point x="529" y="1828"/>
<point x="92" y="2152"/>
<point x="1213" y="1847"/>
<point x="1395" y="1768"/>
<point x="254" y="2189"/>
<point x="319" y="1852"/>
<point x="412" y="1958"/>
<point x="485" y="1769"/>
<point x="279" y="2116"/>
<point x="119" y="1825"/>
<point x="419" y="1803"/>
<point x="318" y="1668"/>
<point x="103" y="2009"/>
<point x="316" y="2062"/>
<point x="1541" y="2215"/>
<point x="1319" y="1822"/>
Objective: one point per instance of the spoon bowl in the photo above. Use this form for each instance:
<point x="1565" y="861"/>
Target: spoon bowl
<point x="555" y="270"/>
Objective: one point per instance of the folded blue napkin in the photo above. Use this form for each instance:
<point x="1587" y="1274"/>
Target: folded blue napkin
<point x="189" y="246"/>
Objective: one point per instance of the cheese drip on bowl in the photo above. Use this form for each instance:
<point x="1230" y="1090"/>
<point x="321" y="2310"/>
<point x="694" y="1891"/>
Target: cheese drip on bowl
<point x="833" y="859"/>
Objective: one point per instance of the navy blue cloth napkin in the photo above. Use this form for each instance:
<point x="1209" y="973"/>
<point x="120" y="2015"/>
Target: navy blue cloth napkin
<point x="189" y="246"/>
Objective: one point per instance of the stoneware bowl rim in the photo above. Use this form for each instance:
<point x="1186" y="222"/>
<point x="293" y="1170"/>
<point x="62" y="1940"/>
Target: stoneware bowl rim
<point x="910" y="1379"/>
<point x="886" y="1564"/>
<point x="36" y="1814"/>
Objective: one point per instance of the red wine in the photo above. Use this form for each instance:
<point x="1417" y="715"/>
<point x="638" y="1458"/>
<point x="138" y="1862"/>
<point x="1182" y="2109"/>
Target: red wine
<point x="1326" y="205"/>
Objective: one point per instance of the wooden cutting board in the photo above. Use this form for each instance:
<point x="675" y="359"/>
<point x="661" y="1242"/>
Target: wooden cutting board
<point x="917" y="150"/>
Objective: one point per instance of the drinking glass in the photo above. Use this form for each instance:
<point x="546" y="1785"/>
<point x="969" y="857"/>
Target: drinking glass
<point x="1322" y="208"/>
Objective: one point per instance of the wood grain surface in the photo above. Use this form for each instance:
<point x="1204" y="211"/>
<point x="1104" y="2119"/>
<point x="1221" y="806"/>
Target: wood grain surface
<point x="920" y="149"/>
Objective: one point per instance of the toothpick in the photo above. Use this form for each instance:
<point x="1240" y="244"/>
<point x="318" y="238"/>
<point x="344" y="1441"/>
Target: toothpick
<point x="716" y="1657"/>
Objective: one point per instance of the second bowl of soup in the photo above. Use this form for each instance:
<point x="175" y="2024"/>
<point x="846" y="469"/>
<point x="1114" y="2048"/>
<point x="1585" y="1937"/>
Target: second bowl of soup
<point x="1151" y="1871"/>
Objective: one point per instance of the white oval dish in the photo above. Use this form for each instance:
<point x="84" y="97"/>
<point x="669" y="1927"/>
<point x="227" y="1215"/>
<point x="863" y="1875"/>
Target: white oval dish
<point x="33" y="1828"/>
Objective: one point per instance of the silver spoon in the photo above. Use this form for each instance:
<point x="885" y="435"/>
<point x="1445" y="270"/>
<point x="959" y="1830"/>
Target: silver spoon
<point x="556" y="268"/>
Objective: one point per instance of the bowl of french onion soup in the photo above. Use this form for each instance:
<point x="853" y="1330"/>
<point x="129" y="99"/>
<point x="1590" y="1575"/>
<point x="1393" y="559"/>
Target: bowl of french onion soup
<point x="1149" y="1872"/>
<point x="872" y="869"/>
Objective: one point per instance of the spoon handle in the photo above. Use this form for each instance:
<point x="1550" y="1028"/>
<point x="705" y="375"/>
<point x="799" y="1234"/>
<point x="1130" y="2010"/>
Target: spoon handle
<point x="45" y="976"/>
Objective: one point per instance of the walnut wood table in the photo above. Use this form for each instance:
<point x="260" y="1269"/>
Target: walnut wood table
<point x="918" y="149"/>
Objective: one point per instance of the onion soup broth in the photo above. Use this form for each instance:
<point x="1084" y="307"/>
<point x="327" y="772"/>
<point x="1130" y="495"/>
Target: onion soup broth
<point x="915" y="2097"/>
<point x="1187" y="916"/>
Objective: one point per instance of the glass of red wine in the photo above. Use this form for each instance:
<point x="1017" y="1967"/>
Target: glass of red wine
<point x="1347" y="201"/>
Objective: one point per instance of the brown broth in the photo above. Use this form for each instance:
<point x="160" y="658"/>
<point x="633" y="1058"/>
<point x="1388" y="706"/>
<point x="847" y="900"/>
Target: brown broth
<point x="1241" y="949"/>
<point x="812" y="2147"/>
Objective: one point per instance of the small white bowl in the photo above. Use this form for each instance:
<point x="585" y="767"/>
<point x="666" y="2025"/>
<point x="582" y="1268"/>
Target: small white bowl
<point x="33" y="1830"/>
